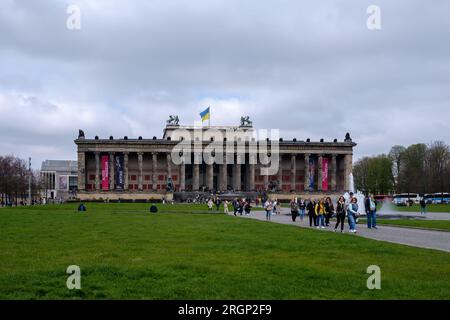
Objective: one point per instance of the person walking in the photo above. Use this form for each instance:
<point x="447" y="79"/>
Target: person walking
<point x="210" y="204"/>
<point x="352" y="214"/>
<point x="329" y="210"/>
<point x="217" y="202"/>
<point x="275" y="204"/>
<point x="302" y="208"/>
<point x="268" y="207"/>
<point x="294" y="209"/>
<point x="225" y="207"/>
<point x="235" y="206"/>
<point x="247" y="207"/>
<point x="241" y="207"/>
<point x="340" y="214"/>
<point x="279" y="207"/>
<point x="311" y="207"/>
<point x="371" y="212"/>
<point x="423" y="206"/>
<point x="320" y="214"/>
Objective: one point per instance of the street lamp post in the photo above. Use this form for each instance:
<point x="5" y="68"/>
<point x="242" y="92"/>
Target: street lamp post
<point x="29" y="181"/>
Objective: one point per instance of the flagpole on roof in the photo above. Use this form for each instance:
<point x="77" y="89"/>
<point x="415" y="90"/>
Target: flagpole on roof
<point x="209" y="119"/>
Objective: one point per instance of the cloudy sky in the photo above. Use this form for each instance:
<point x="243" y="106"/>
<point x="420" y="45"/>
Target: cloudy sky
<point x="309" y="68"/>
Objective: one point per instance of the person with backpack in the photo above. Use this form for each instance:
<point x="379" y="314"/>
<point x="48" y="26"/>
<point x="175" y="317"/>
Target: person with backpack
<point x="340" y="214"/>
<point x="294" y="209"/>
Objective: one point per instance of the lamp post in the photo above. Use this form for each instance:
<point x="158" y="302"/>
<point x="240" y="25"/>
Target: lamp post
<point x="29" y="181"/>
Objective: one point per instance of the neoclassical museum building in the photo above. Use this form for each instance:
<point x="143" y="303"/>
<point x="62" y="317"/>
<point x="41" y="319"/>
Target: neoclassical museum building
<point x="146" y="169"/>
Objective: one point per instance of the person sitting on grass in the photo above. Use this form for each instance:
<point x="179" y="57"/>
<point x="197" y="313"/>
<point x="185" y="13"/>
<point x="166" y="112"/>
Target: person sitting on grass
<point x="153" y="208"/>
<point x="82" y="208"/>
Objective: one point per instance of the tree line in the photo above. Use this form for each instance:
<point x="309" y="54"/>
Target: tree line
<point x="14" y="181"/>
<point x="419" y="168"/>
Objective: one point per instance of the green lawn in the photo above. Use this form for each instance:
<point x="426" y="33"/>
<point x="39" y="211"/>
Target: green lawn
<point x="127" y="253"/>
<point x="426" y="224"/>
<point x="430" y="208"/>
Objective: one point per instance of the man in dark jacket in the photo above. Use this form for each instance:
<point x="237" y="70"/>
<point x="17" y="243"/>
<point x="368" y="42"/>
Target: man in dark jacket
<point x="371" y="211"/>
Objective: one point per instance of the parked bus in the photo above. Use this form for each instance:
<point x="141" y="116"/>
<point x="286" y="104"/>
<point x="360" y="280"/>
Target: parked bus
<point x="437" y="198"/>
<point x="404" y="199"/>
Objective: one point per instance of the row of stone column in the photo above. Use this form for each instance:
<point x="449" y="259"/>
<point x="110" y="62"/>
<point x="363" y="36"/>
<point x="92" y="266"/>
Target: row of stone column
<point x="223" y="175"/>
<point x="125" y="164"/>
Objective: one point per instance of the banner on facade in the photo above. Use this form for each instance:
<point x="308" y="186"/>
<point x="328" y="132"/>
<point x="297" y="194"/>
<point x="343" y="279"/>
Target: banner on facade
<point x="105" y="173"/>
<point x="119" y="170"/>
<point x="312" y="169"/>
<point x="63" y="183"/>
<point x="325" y="174"/>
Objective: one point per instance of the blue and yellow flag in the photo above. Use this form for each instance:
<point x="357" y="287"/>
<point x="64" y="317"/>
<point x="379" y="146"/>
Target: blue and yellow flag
<point x="205" y="114"/>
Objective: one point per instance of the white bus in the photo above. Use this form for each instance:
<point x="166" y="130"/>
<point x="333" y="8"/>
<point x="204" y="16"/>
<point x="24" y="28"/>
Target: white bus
<point x="437" y="198"/>
<point x="402" y="199"/>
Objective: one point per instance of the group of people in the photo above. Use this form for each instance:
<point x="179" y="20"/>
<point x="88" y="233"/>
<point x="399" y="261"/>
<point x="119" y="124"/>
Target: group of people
<point x="320" y="211"/>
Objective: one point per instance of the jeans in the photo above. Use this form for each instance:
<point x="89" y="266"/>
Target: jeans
<point x="320" y="220"/>
<point x="371" y="219"/>
<point x="351" y="221"/>
<point x="268" y="214"/>
<point x="302" y="214"/>
<point x="423" y="210"/>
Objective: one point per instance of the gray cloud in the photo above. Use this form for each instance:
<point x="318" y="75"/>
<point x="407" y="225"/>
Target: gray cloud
<point x="310" y="69"/>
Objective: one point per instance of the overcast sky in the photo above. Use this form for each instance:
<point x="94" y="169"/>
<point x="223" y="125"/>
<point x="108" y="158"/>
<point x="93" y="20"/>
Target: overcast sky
<point x="309" y="68"/>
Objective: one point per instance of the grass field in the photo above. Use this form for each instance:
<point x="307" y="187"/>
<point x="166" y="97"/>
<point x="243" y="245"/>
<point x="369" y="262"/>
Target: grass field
<point x="416" y="208"/>
<point x="425" y="224"/>
<point x="124" y="252"/>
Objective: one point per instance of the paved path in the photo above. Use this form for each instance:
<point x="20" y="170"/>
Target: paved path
<point x="438" y="240"/>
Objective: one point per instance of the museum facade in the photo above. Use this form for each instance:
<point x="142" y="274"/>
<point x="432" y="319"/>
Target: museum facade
<point x="210" y="159"/>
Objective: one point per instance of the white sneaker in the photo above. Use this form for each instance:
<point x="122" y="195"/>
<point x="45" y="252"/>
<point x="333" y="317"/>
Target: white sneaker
<point x="318" y="227"/>
<point x="323" y="227"/>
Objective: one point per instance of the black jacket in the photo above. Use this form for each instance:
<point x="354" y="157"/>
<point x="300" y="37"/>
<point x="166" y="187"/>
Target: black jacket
<point x="367" y="204"/>
<point x="310" y="207"/>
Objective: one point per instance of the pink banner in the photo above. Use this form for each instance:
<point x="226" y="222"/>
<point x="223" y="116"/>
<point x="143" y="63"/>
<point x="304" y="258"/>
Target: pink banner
<point x="325" y="174"/>
<point x="105" y="173"/>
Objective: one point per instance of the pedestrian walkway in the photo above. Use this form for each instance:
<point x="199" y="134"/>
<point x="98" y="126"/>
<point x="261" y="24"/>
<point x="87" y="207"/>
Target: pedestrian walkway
<point x="430" y="239"/>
